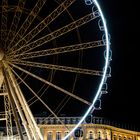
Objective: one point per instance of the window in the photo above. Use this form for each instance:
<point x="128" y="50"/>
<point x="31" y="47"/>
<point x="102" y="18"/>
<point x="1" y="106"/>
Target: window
<point x="105" y="135"/>
<point x="125" y="138"/>
<point x="115" y="137"/>
<point x="58" y="135"/>
<point x="90" y="135"/>
<point x="78" y="132"/>
<point x="49" y="137"/>
<point x="120" y="137"/>
<point x="130" y="138"/>
<point x="66" y="133"/>
<point x="99" y="135"/>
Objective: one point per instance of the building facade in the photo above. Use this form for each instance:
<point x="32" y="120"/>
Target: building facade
<point x="95" y="129"/>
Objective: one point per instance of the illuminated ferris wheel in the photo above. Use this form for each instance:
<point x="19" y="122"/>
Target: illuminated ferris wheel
<point x="54" y="58"/>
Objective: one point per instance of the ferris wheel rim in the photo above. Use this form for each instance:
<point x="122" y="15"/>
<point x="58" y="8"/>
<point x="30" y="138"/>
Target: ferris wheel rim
<point x="104" y="73"/>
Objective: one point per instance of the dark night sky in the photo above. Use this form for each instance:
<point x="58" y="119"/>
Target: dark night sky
<point x="122" y="102"/>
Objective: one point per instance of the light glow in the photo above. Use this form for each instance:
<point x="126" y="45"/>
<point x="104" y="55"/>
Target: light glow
<point x="104" y="74"/>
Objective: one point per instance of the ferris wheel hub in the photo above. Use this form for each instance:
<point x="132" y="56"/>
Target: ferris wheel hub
<point x="1" y="54"/>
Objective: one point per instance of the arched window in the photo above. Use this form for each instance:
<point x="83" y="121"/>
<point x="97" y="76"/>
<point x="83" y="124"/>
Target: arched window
<point x="66" y="133"/>
<point x="105" y="135"/>
<point x="58" y="135"/>
<point x="120" y="137"/>
<point x="130" y="138"/>
<point x="90" y="135"/>
<point x="125" y="138"/>
<point x="49" y="136"/>
<point x="99" y="135"/>
<point x="115" y="137"/>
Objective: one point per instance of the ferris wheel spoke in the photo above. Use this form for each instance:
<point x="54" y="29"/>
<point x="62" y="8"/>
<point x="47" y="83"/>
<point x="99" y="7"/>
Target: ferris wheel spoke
<point x="27" y="22"/>
<point x="57" y="33"/>
<point x="51" y="84"/>
<point x="4" y="20"/>
<point x="60" y="50"/>
<point x="43" y="24"/>
<point x="33" y="92"/>
<point x="15" y="21"/>
<point x="60" y="68"/>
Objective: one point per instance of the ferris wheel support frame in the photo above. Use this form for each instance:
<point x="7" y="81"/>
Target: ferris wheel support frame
<point x="18" y="101"/>
<point x="7" y="116"/>
<point x="13" y="106"/>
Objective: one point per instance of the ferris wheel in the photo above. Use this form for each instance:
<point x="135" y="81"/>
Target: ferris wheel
<point x="54" y="58"/>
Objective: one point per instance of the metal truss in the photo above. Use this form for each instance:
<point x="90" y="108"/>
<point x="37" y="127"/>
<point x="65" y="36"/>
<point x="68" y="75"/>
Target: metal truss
<point x="59" y="50"/>
<point x="60" y="68"/>
<point x="18" y="101"/>
<point x="7" y="113"/>
<point x="15" y="22"/>
<point x="8" y="116"/>
<point x="51" y="84"/>
<point x="43" y="24"/>
<point x="56" y="33"/>
<point x="4" y="20"/>
<point x="39" y="98"/>
<point x="33" y="14"/>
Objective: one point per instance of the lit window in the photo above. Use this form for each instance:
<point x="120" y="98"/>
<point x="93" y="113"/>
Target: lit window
<point x="58" y="136"/>
<point x="99" y="135"/>
<point x="90" y="135"/>
<point x="49" y="136"/>
<point x="130" y="138"/>
<point x="66" y="133"/>
<point x="125" y="138"/>
<point x="105" y="135"/>
<point x="115" y="137"/>
<point x="120" y="137"/>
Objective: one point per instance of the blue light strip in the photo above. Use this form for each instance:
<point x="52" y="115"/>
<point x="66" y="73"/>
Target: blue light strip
<point x="104" y="74"/>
